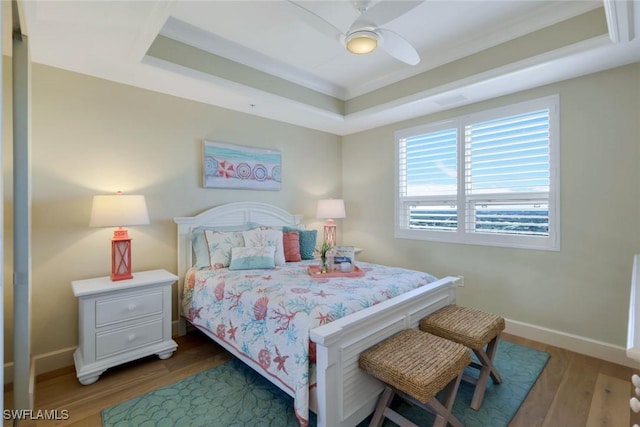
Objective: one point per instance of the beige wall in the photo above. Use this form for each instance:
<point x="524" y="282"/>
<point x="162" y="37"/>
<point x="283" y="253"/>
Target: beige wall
<point x="92" y="136"/>
<point x="584" y="288"/>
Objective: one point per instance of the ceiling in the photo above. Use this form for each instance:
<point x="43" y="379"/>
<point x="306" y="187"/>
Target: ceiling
<point x="263" y="58"/>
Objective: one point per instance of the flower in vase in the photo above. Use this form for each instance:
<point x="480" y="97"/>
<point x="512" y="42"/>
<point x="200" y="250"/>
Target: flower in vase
<point x="325" y="251"/>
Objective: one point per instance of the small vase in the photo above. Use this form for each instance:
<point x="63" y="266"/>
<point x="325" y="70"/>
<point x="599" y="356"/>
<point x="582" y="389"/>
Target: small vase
<point x="324" y="267"/>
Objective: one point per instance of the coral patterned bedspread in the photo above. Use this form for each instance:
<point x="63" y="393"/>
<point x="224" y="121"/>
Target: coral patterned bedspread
<point x="266" y="315"/>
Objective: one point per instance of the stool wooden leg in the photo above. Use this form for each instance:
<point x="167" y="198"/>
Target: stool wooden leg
<point x="443" y="410"/>
<point x="450" y="391"/>
<point x="383" y="402"/>
<point x="492" y="348"/>
<point x="487" y="369"/>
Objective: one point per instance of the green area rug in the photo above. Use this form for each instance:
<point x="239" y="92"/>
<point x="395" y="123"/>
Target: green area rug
<point x="232" y="395"/>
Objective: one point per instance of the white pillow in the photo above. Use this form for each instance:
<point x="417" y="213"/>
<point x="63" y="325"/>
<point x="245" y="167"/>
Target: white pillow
<point x="219" y="244"/>
<point x="264" y="236"/>
<point x="199" y="242"/>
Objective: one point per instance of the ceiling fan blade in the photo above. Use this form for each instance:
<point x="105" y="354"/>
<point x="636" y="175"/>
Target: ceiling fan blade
<point x="398" y="47"/>
<point x="317" y="22"/>
<point x="383" y="12"/>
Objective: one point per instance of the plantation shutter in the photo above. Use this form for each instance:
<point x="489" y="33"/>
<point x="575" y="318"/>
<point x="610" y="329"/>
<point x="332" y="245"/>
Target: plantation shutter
<point x="428" y="180"/>
<point x="431" y="165"/>
<point x="509" y="154"/>
<point x="507" y="174"/>
<point x="487" y="178"/>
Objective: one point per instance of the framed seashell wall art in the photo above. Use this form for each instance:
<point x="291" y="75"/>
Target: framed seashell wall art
<point x="237" y="166"/>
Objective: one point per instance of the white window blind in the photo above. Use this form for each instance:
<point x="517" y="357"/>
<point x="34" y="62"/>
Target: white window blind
<point x="487" y="178"/>
<point x="431" y="164"/>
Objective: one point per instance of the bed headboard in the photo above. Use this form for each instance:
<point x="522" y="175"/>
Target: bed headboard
<point x="230" y="214"/>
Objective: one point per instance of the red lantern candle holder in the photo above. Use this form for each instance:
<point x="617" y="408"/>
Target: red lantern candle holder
<point x="121" y="255"/>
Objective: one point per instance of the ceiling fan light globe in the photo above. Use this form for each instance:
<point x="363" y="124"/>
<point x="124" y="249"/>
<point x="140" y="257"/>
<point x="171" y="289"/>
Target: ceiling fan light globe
<point x="361" y="42"/>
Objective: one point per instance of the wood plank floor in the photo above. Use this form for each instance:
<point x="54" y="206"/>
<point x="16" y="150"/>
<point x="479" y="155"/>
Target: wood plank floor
<point x="573" y="390"/>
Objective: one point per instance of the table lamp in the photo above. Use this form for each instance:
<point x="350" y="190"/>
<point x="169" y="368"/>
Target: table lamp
<point x="330" y="209"/>
<point x="118" y="210"/>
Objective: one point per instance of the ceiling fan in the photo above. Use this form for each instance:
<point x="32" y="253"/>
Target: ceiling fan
<point x="366" y="33"/>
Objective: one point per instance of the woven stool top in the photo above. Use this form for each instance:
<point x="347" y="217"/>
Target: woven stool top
<point x="417" y="363"/>
<point x="468" y="326"/>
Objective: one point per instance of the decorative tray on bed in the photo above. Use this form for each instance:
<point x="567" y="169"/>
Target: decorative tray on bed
<point x="314" y="271"/>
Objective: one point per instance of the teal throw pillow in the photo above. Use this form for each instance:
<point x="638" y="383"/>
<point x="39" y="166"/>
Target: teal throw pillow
<point x="253" y="257"/>
<point x="307" y="241"/>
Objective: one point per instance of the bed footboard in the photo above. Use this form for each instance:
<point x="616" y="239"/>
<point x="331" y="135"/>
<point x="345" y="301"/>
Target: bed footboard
<point x="345" y="395"/>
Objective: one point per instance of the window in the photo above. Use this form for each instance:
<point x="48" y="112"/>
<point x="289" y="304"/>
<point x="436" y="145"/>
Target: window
<point x="488" y="178"/>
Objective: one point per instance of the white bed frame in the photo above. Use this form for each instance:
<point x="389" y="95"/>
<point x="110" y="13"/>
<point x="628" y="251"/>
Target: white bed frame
<point x="344" y="394"/>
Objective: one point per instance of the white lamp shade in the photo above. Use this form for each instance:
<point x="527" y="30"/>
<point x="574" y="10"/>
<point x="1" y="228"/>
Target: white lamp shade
<point x="118" y="210"/>
<point x="331" y="208"/>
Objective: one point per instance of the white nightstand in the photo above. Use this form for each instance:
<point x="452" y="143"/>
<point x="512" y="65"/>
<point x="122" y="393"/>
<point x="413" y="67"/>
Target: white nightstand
<point x="122" y="321"/>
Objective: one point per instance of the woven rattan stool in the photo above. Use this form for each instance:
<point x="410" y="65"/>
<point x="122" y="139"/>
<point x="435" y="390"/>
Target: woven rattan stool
<point x="416" y="366"/>
<point x="474" y="329"/>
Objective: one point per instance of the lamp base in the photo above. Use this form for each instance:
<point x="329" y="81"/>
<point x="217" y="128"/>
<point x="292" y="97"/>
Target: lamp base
<point x="116" y="277"/>
<point x="330" y="234"/>
<point x="120" y="256"/>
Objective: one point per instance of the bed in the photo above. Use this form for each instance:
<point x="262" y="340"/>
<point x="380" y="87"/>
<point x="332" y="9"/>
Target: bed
<point x="314" y="362"/>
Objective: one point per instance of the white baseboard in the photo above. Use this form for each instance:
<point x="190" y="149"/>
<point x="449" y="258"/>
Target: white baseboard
<point x="57" y="359"/>
<point x="54" y="360"/>
<point x="601" y="350"/>
<point x="44" y="363"/>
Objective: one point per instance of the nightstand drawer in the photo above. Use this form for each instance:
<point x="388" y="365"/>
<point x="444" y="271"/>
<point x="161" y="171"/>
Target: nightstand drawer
<point x="127" y="307"/>
<point x="117" y="341"/>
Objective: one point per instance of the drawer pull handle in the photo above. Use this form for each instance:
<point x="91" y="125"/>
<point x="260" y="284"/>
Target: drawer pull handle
<point x="132" y="337"/>
<point x="132" y="306"/>
<point x="635" y="404"/>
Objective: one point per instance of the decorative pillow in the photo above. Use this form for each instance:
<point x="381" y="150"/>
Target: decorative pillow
<point x="199" y="243"/>
<point x="251" y="258"/>
<point x="307" y="241"/>
<point x="291" y="244"/>
<point x="264" y="236"/>
<point x="200" y="249"/>
<point x="219" y="244"/>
